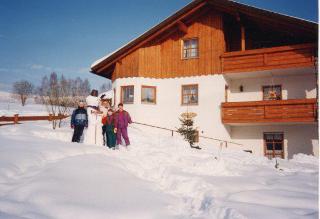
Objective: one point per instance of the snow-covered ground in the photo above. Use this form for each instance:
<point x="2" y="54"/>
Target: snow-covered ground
<point x="10" y="106"/>
<point x="43" y="175"/>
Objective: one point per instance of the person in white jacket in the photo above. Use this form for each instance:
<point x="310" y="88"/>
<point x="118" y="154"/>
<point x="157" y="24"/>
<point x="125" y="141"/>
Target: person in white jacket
<point x="93" y="134"/>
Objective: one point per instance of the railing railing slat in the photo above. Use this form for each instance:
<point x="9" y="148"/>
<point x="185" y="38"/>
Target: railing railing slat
<point x="297" y="110"/>
<point x="268" y="58"/>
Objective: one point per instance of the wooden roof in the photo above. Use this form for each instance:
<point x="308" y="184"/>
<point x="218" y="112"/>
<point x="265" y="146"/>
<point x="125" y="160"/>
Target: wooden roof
<point x="301" y="26"/>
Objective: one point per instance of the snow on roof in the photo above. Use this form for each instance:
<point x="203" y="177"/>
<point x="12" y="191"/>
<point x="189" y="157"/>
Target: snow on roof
<point x="107" y="95"/>
<point x="103" y="58"/>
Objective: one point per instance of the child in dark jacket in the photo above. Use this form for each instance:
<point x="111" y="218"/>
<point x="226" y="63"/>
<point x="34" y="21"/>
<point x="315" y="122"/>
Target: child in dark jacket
<point x="79" y="120"/>
<point x="108" y="122"/>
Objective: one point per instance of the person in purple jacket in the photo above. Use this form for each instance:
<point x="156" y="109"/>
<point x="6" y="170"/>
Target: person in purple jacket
<point x="122" y="119"/>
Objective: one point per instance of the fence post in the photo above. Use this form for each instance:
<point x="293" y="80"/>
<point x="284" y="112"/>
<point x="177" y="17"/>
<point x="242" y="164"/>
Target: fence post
<point x="50" y="117"/>
<point x="171" y="132"/>
<point x="16" y="118"/>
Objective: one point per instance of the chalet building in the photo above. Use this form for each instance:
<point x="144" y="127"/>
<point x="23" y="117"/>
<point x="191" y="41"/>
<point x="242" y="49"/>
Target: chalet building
<point x="249" y="74"/>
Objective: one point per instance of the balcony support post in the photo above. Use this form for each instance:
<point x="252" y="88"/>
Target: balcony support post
<point x="243" y="38"/>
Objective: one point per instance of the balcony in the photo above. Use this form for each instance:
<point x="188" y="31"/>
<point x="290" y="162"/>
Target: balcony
<point x="270" y="111"/>
<point x="269" y="58"/>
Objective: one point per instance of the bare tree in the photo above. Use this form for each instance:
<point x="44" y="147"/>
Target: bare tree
<point x="105" y="87"/>
<point x="65" y="100"/>
<point x="23" y="89"/>
<point x="60" y="95"/>
<point x="85" y="87"/>
<point x="49" y="93"/>
<point x="80" y="87"/>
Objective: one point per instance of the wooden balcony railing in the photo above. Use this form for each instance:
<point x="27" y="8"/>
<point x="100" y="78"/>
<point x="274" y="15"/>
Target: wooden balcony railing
<point x="270" y="111"/>
<point x="269" y="58"/>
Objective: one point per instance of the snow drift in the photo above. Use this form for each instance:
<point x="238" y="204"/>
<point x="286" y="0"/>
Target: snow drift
<point x="42" y="175"/>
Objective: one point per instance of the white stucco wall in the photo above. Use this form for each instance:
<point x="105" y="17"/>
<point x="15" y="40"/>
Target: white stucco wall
<point x="297" y="138"/>
<point x="293" y="87"/>
<point x="165" y="113"/>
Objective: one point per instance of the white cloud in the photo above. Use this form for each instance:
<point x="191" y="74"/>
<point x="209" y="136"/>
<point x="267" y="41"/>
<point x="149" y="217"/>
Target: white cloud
<point x="40" y="67"/>
<point x="11" y="70"/>
<point x="36" y="66"/>
<point x="83" y="70"/>
<point x="66" y="70"/>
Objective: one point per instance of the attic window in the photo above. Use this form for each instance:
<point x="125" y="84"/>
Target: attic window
<point x="190" y="48"/>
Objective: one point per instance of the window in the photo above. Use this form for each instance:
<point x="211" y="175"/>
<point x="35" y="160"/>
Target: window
<point x="190" y="94"/>
<point x="272" y="92"/>
<point x="148" y="94"/>
<point x="273" y="145"/>
<point x="127" y="94"/>
<point x="190" y="48"/>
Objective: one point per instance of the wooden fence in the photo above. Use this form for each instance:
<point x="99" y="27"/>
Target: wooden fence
<point x="16" y="118"/>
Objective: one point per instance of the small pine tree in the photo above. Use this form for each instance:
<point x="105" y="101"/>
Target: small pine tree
<point x="187" y="130"/>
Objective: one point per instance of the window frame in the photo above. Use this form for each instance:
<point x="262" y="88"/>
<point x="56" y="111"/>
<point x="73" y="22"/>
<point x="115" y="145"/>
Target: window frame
<point x="122" y="92"/>
<point x="183" y="49"/>
<point x="273" y="151"/>
<point x="189" y="104"/>
<point x="155" y="94"/>
<point x="268" y="86"/>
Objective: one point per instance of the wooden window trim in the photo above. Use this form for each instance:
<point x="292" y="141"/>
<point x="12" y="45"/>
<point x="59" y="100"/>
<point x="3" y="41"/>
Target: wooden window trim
<point x="155" y="94"/>
<point x="267" y="86"/>
<point x="189" y="104"/>
<point x="265" y="145"/>
<point x="121" y="96"/>
<point x="182" y="48"/>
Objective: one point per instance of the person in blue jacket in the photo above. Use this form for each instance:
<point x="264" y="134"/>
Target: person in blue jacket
<point x="79" y="121"/>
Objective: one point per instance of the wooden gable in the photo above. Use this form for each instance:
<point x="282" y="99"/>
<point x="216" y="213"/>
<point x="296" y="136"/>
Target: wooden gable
<point x="162" y="57"/>
<point x="220" y="27"/>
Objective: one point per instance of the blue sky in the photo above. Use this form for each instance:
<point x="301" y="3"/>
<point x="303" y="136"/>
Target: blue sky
<point x="41" y="36"/>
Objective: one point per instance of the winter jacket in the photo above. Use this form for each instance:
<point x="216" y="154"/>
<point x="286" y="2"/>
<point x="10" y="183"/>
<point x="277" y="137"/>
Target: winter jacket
<point x="108" y="122"/>
<point x="122" y="119"/>
<point x="79" y="117"/>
